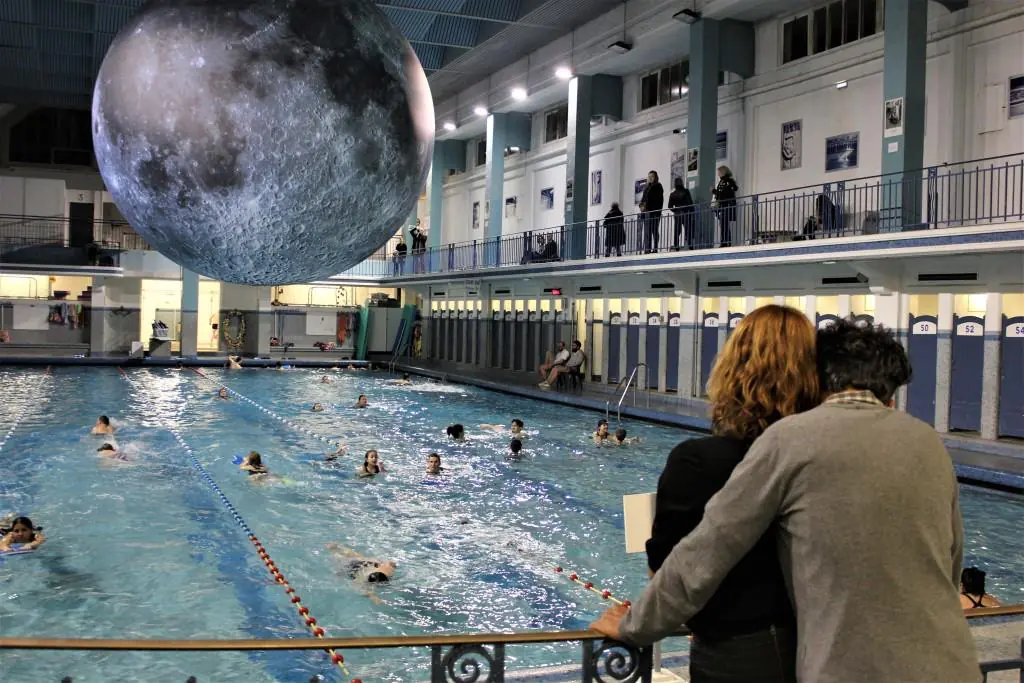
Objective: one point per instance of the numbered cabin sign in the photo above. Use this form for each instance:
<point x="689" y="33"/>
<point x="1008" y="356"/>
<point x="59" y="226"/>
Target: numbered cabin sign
<point x="496" y="316"/>
<point x="634" y="319"/>
<point x="520" y="316"/>
<point x="924" y="327"/>
<point x="654" y="319"/>
<point x="508" y="316"/>
<point x="970" y="329"/>
<point x="615" y="319"/>
<point x="1014" y="331"/>
<point x="674" y="321"/>
<point x="733" y="322"/>
<point x="711" y="321"/>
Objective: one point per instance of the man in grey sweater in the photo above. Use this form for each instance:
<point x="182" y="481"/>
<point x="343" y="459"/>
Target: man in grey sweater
<point x="864" y="499"/>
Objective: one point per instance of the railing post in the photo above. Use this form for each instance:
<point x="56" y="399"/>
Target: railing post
<point x="755" y="218"/>
<point x="620" y="662"/>
<point x="474" y="254"/>
<point x="467" y="664"/>
<point x="932" y="197"/>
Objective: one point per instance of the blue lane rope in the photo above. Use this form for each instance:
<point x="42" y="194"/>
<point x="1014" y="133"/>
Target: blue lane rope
<point x="270" y="413"/>
<point x="304" y="613"/>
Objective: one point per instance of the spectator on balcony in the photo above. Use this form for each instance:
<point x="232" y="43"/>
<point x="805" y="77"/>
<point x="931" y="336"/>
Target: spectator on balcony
<point x="550" y="251"/>
<point x="419" y="246"/>
<point x="531" y="256"/>
<point x="824" y="221"/>
<point x="399" y="257"/>
<point x="614" y="231"/>
<point x="725" y="203"/>
<point x="651" y="203"/>
<point x="681" y="204"/>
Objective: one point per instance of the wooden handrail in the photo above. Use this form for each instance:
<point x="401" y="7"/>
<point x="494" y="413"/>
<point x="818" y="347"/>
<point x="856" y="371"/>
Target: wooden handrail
<point x="355" y="643"/>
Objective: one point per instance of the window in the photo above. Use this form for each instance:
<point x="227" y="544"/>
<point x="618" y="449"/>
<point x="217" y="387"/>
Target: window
<point x="667" y="84"/>
<point x="556" y="124"/>
<point x="838" y="23"/>
<point x="481" y="151"/>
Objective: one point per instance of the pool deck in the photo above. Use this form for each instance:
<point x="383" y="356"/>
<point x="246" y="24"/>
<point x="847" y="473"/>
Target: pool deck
<point x="996" y="464"/>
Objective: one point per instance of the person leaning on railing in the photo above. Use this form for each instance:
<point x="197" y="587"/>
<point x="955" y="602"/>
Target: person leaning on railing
<point x="651" y="203"/>
<point x="681" y="203"/>
<point x="614" y="231"/>
<point x="725" y="203"/>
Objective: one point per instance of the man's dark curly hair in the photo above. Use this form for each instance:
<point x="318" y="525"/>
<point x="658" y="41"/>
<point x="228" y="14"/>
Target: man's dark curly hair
<point x="861" y="357"/>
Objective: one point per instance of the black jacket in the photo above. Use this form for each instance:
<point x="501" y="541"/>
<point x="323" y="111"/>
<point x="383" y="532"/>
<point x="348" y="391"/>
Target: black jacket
<point x="753" y="595"/>
<point x="725" y="191"/>
<point x="653" y="198"/>
<point x="614" y="229"/>
<point x="680" y="201"/>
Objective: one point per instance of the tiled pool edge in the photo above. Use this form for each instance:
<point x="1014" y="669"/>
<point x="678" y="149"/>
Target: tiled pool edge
<point x="971" y="474"/>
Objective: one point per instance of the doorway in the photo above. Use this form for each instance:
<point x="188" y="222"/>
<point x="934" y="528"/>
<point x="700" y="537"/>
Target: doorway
<point x="80" y="224"/>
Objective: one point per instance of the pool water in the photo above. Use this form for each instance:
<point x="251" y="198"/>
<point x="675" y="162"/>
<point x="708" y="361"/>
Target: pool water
<point x="144" y="549"/>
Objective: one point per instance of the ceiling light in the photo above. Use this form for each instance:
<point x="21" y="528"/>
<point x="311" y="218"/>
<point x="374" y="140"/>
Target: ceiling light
<point x="687" y="16"/>
<point x="519" y="94"/>
<point x="480" y="111"/>
<point x="563" y="72"/>
<point x="449" y="126"/>
<point x="679" y="131"/>
<point x="514" y="150"/>
<point x="828" y="263"/>
<point x="841" y="84"/>
<point x="621" y="47"/>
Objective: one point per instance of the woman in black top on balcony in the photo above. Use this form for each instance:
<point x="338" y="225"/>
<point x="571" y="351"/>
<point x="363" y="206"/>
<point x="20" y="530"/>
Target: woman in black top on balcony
<point x="651" y="203"/>
<point x="725" y="203"/>
<point x="747" y="631"/>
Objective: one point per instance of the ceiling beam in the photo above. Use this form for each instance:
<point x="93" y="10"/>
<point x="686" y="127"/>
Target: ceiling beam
<point x="461" y="15"/>
<point x="456" y="46"/>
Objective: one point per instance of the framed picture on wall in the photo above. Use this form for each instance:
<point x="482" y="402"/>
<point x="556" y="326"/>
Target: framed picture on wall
<point x="476" y="215"/>
<point x="595" y="188"/>
<point x="893" y="124"/>
<point x="511" y="205"/>
<point x="842" y="152"/>
<point x="1015" y="97"/>
<point x="638" y="190"/>
<point x="677" y="168"/>
<point x="547" y="198"/>
<point x="692" y="162"/>
<point x="791" y="154"/>
<point x="721" y="145"/>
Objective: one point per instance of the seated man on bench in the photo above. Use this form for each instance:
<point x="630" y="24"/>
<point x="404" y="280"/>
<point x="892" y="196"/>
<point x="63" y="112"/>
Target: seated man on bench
<point x="560" y="358"/>
<point x="576" y="360"/>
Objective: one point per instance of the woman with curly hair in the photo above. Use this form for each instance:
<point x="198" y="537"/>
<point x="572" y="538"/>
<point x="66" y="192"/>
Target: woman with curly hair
<point x="766" y="371"/>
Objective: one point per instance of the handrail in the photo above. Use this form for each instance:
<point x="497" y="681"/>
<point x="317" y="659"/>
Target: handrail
<point x="629" y="381"/>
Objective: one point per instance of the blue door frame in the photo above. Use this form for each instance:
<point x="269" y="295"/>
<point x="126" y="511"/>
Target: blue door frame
<point x="1011" y="375"/>
<point x="922" y="349"/>
<point x="965" y="376"/>
<point x="708" y="348"/>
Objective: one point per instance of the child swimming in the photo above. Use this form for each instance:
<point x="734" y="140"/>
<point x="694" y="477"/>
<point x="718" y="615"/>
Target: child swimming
<point x="21" y="533"/>
<point x="371" y="465"/>
<point x="109" y="450"/>
<point x="103" y="426"/>
<point x="253" y="464"/>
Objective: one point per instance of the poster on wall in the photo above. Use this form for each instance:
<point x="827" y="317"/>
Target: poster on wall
<point x="692" y="162"/>
<point x="792" y="151"/>
<point x="511" y="205"/>
<point x="476" y="215"/>
<point x="569" y="193"/>
<point x="595" y="188"/>
<point x="547" y="198"/>
<point x="677" y="169"/>
<point x="893" y="117"/>
<point x="638" y="190"/>
<point x="721" y="145"/>
<point x="841" y="151"/>
<point x="1015" y="100"/>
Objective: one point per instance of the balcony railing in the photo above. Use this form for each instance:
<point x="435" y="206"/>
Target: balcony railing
<point x="987" y="191"/>
<point x="63" y="241"/>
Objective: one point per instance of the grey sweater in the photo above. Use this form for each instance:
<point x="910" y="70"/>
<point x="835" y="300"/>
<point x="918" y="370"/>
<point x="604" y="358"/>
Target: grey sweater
<point x="870" y="542"/>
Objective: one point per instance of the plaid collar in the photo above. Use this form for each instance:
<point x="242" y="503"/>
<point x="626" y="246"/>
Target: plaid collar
<point x="854" y="396"/>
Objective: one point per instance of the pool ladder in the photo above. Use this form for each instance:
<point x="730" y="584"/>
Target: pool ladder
<point x="629" y="381"/>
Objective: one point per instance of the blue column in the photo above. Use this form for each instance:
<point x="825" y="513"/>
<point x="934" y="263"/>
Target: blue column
<point x="189" y="313"/>
<point x="449" y="155"/>
<point x="906" y="42"/>
<point x="702" y="123"/>
<point x="577" y="165"/>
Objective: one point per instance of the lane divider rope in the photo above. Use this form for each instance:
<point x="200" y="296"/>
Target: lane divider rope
<point x="269" y="413"/>
<point x="310" y="621"/>
<point x="573" y="576"/>
<point x="20" y="416"/>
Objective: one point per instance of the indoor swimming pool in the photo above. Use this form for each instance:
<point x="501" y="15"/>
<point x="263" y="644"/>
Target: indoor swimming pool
<point x="142" y="548"/>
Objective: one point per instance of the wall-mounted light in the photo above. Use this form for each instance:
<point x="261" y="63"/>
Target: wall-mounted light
<point x="480" y="111"/>
<point x="449" y="126"/>
<point x="563" y="72"/>
<point x="621" y="47"/>
<point x="679" y="131"/>
<point x="519" y="94"/>
<point x="841" y="84"/>
<point x="513" y="150"/>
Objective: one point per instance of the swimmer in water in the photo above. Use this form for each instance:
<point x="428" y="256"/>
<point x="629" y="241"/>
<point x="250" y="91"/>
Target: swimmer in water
<point x="325" y="380"/>
<point x="109" y="450"/>
<point x="180" y="366"/>
<point x="223" y="394"/>
<point x="361" y="402"/>
<point x="972" y="590"/>
<point x="233" y="363"/>
<point x="22" y="531"/>
<point x="515" y="450"/>
<point x="253" y="464"/>
<point x="317" y="408"/>
<point x="363" y="570"/>
<point x="341" y="450"/>
<point x="434" y="464"/>
<point x="601" y="434"/>
<point x="516" y="428"/>
<point x="456" y="431"/>
<point x="405" y="381"/>
<point x="621" y="440"/>
<point x="102" y="426"/>
<point x="371" y="465"/>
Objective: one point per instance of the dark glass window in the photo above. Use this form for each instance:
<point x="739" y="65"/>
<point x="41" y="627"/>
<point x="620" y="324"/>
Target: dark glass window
<point x="835" y="25"/>
<point x="869" y="18"/>
<point x="556" y="124"/>
<point x="665" y="86"/>
<point x="851" y="21"/>
<point x="481" y="152"/>
<point x="819" y="32"/>
<point x="794" y="39"/>
<point x="676" y="82"/>
<point x="649" y="91"/>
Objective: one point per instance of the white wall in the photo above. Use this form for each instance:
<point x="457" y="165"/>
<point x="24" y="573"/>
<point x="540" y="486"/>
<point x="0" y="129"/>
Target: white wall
<point x="31" y="197"/>
<point x="971" y="56"/>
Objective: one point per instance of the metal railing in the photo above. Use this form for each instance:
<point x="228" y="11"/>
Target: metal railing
<point x="982" y="192"/>
<point x="629" y="382"/>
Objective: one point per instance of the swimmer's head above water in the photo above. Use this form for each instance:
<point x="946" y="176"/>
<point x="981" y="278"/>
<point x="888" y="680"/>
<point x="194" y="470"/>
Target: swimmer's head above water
<point x="253" y="463"/>
<point x="434" y="464"/>
<point x="361" y="402"/>
<point x="602" y="430"/>
<point x="223" y="393"/>
<point x="517" y="426"/>
<point x="456" y="431"/>
<point x="317" y="408"/>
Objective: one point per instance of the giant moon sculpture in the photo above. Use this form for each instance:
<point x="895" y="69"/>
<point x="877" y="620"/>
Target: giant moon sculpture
<point x="263" y="142"/>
